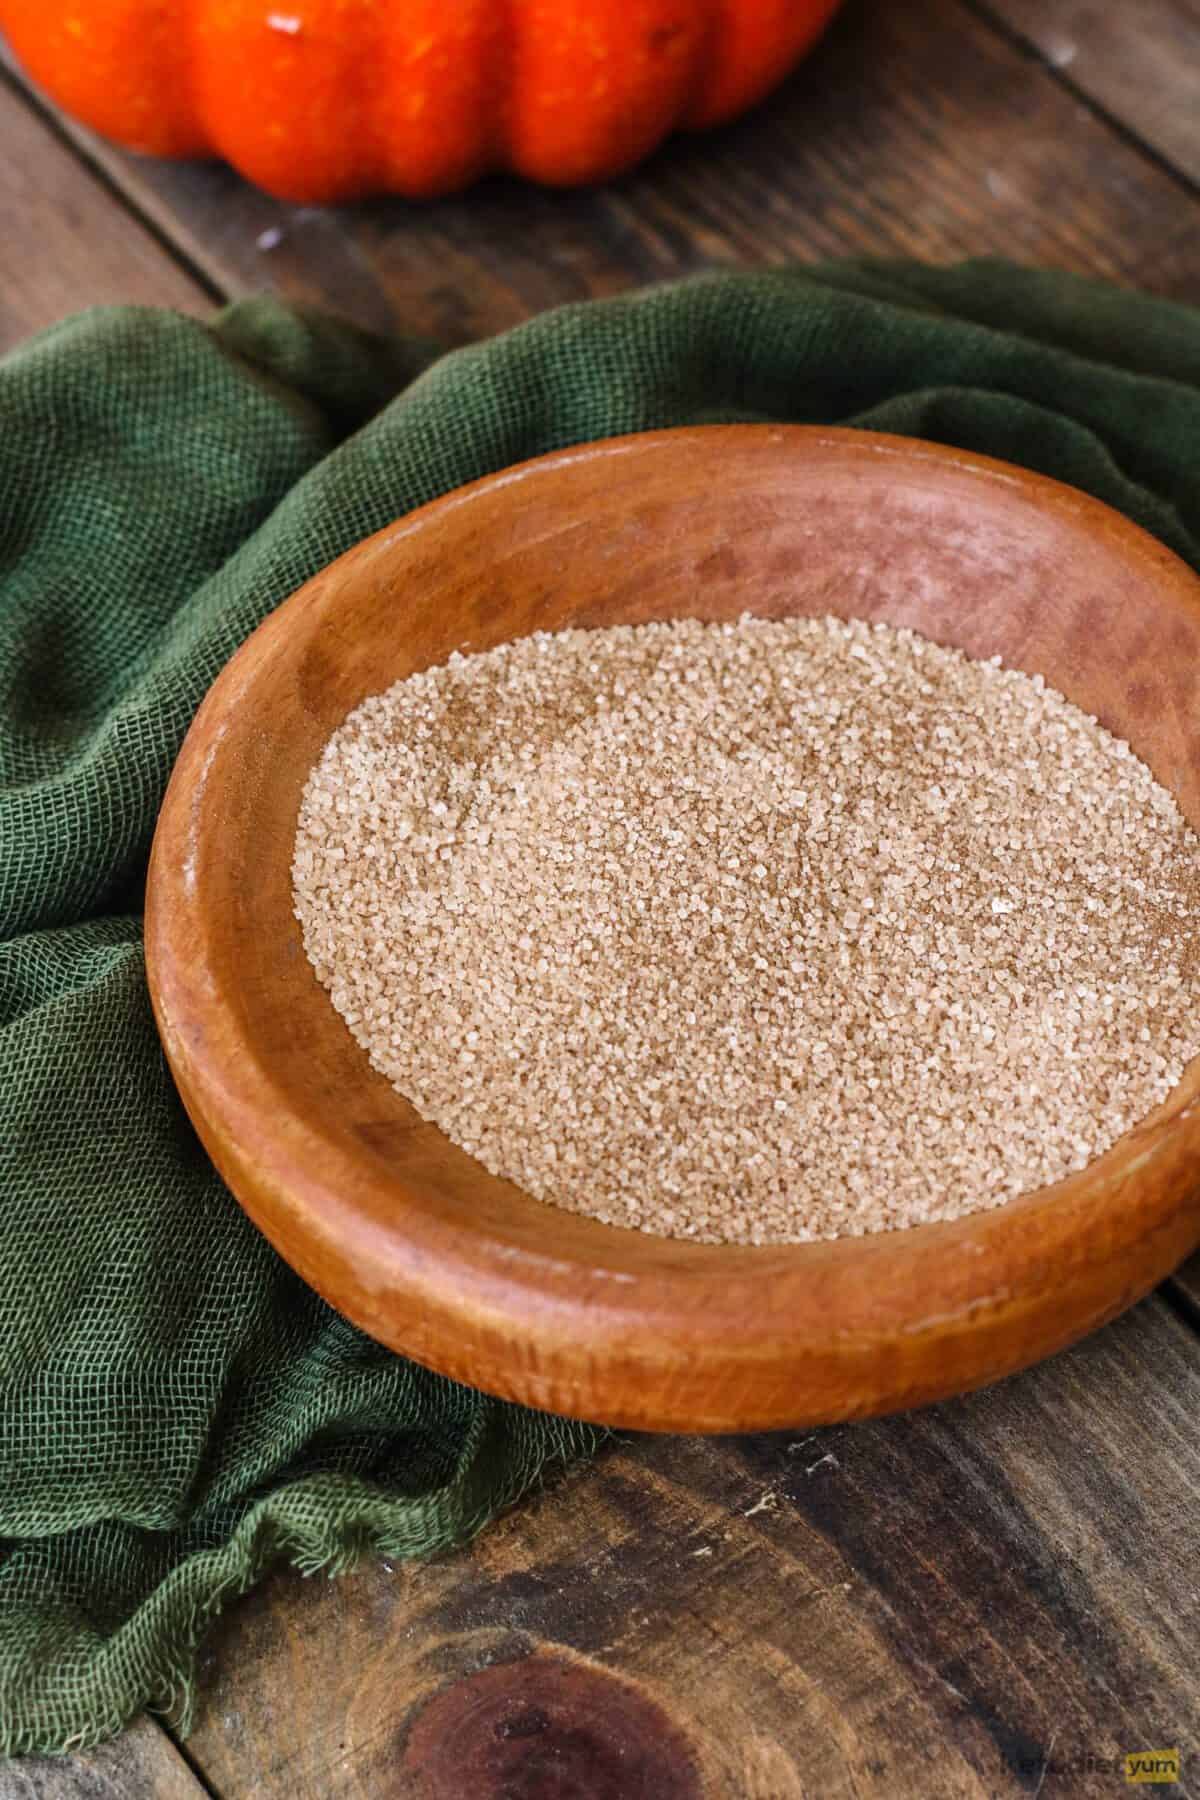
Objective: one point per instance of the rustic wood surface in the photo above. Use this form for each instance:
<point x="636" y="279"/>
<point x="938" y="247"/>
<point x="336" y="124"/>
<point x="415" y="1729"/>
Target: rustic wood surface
<point x="67" y="240"/>
<point x="1140" y="63"/>
<point x="974" y="1600"/>
<point x="142" y="1764"/>
<point x="938" y="1604"/>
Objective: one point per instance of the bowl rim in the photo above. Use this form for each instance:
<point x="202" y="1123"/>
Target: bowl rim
<point x="482" y="1304"/>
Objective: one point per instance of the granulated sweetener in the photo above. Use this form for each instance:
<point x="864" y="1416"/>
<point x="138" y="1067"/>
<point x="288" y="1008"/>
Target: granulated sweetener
<point x="759" y="932"/>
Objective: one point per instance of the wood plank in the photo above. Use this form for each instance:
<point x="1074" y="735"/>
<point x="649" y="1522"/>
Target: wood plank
<point x="969" y="1601"/>
<point x="913" y="130"/>
<point x="68" y="242"/>
<point x="143" y="1764"/>
<point x="1141" y="63"/>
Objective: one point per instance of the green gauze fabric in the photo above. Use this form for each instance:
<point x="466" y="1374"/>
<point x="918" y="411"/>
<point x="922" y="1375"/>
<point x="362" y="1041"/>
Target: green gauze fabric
<point x="176" y="1409"/>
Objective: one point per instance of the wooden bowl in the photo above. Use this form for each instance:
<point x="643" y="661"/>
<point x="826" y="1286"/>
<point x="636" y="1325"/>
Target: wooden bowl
<point x="405" y="1233"/>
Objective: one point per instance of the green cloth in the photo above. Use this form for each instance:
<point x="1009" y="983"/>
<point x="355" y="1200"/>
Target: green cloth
<point x="176" y="1408"/>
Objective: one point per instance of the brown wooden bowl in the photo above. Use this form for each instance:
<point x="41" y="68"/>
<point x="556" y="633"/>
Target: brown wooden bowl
<point x="405" y="1233"/>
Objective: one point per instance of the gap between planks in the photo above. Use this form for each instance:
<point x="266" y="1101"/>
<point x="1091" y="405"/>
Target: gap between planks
<point x="1137" y="68"/>
<point x="86" y="152"/>
<point x="143" y="1763"/>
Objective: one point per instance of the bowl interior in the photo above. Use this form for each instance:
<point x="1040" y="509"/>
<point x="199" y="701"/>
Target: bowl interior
<point x="397" y="1226"/>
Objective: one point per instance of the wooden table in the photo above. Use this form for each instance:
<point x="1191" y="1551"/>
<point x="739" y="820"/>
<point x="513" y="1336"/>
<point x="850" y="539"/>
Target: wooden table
<point x="994" y="1597"/>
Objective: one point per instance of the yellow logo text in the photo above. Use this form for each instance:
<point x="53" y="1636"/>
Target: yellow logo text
<point x="1152" y="1765"/>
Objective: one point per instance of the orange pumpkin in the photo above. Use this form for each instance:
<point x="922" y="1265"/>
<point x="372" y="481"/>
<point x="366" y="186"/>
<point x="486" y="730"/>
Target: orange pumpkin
<point x="320" y="99"/>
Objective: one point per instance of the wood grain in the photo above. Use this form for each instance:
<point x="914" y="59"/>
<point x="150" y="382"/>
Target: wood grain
<point x="405" y="1233"/>
<point x="1141" y="63"/>
<point x="924" y="1606"/>
<point x="914" y="129"/>
<point x="67" y="242"/>
<point x="143" y="1764"/>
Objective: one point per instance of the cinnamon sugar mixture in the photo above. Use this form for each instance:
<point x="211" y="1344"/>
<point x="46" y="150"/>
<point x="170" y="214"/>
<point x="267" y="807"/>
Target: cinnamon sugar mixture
<point x="761" y="932"/>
